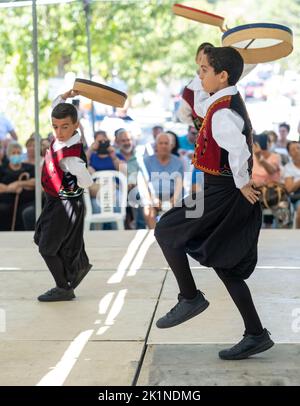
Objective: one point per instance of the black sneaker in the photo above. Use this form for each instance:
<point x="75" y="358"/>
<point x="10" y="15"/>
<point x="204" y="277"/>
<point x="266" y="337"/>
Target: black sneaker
<point x="249" y="345"/>
<point x="57" y="295"/>
<point x="81" y="274"/>
<point x="184" y="310"/>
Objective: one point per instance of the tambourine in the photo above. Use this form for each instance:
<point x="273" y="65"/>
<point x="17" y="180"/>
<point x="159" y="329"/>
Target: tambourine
<point x="257" y="43"/>
<point x="261" y="42"/>
<point x="100" y="93"/>
<point x="198" y="15"/>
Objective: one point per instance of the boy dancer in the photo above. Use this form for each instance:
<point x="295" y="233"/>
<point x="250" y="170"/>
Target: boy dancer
<point x="193" y="95"/>
<point x="225" y="236"/>
<point x="59" y="229"/>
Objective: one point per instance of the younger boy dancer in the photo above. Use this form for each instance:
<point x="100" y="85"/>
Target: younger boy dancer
<point x="225" y="236"/>
<point x="59" y="229"/>
<point x="193" y="95"/>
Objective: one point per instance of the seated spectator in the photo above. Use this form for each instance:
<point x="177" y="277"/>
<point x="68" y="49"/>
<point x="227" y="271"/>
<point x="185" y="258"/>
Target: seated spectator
<point x="266" y="164"/>
<point x="124" y="143"/>
<point x="11" y="185"/>
<point x="292" y="177"/>
<point x="150" y="146"/>
<point x="175" y="143"/>
<point x="281" y="145"/>
<point x="273" y="138"/>
<point x="266" y="167"/>
<point x="157" y="129"/>
<point x="187" y="142"/>
<point x="165" y="172"/>
<point x="102" y="156"/>
<point x="30" y="151"/>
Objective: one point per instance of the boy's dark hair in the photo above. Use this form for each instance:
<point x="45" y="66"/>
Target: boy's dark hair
<point x="203" y="46"/>
<point x="226" y="59"/>
<point x="285" y="125"/>
<point x="63" y="110"/>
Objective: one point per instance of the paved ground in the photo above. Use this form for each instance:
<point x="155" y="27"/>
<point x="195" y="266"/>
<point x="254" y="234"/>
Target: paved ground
<point x="107" y="336"/>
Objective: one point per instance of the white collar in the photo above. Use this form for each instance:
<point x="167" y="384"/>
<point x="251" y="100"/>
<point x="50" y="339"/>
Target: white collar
<point x="195" y="83"/>
<point x="71" y="141"/>
<point x="227" y="91"/>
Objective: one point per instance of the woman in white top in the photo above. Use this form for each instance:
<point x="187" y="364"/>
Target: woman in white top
<point x="292" y="176"/>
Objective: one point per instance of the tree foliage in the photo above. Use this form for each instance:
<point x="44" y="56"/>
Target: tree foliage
<point x="142" y="40"/>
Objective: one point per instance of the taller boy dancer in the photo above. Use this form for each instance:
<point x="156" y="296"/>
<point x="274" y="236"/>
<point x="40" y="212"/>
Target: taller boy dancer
<point x="225" y="236"/>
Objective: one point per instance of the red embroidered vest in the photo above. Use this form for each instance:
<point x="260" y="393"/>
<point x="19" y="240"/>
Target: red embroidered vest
<point x="208" y="156"/>
<point x="188" y="96"/>
<point x="53" y="176"/>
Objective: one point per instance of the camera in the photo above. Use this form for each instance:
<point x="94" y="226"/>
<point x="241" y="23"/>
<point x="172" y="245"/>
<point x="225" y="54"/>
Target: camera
<point x="103" y="147"/>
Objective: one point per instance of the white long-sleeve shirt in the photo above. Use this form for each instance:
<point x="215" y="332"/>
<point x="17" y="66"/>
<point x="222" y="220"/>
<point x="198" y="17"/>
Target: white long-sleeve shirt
<point x="185" y="111"/>
<point x="75" y="165"/>
<point x="227" y="128"/>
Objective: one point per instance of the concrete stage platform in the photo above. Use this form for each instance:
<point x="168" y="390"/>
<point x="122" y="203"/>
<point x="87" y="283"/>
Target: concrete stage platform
<point x="107" y="335"/>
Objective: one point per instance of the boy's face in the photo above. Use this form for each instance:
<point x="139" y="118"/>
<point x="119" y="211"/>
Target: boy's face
<point x="64" y="128"/>
<point x="211" y="81"/>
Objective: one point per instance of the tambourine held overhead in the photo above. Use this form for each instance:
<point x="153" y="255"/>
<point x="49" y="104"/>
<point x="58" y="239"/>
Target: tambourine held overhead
<point x="257" y="43"/>
<point x="260" y="42"/>
<point x="198" y="15"/>
<point x="100" y="93"/>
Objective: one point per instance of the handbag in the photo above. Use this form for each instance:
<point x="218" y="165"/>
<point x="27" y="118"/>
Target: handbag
<point x="272" y="194"/>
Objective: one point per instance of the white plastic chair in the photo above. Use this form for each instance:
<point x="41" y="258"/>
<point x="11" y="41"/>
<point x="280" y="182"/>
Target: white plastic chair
<point x="106" y="199"/>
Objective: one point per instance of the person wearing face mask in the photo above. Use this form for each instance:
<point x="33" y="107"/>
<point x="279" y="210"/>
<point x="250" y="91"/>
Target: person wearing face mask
<point x="10" y="185"/>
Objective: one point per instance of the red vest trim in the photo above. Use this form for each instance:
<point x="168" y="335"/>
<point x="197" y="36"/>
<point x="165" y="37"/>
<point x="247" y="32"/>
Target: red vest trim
<point x="52" y="174"/>
<point x="207" y="156"/>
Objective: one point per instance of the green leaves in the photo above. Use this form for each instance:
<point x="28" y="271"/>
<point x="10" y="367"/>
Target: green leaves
<point x="142" y="40"/>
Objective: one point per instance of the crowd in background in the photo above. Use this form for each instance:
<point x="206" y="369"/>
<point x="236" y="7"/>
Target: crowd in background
<point x="164" y="165"/>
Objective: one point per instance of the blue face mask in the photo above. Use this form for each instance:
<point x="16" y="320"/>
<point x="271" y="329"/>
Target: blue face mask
<point x="15" y="159"/>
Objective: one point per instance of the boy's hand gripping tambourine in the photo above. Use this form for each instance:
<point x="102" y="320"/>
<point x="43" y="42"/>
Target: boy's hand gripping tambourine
<point x="257" y="43"/>
<point x="100" y="93"/>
